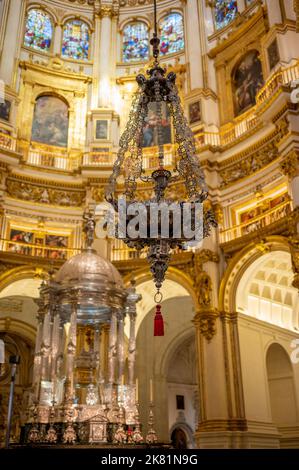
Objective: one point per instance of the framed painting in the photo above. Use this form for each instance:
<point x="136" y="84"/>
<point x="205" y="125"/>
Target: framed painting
<point x="101" y="129"/>
<point x="5" y="108"/>
<point x="50" y="121"/>
<point x="247" y="81"/>
<point x="273" y="54"/>
<point x="194" y="112"/>
<point x="150" y="129"/>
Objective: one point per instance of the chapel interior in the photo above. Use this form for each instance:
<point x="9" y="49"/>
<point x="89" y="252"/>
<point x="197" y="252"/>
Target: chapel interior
<point x="77" y="308"/>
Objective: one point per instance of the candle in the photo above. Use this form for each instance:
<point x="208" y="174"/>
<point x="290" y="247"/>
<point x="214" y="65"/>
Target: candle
<point x="136" y="391"/>
<point x="151" y="391"/>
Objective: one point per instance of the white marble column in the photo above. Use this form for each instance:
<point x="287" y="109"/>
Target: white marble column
<point x="193" y="45"/>
<point x="57" y="39"/>
<point x="104" y="98"/>
<point x="96" y="63"/>
<point x="12" y="41"/>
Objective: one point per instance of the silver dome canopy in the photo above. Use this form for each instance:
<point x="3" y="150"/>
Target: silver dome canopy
<point x="93" y="284"/>
<point x="89" y="266"/>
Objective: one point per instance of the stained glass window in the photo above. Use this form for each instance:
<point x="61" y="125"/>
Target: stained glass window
<point x="75" y="42"/>
<point x="225" y="12"/>
<point x="135" y="42"/>
<point x="172" y="34"/>
<point x="39" y="30"/>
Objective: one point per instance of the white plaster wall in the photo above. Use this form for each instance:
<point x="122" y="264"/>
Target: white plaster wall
<point x="255" y="338"/>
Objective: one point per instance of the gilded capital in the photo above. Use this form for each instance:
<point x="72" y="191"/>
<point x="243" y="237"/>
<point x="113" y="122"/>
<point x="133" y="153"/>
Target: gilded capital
<point x="107" y="11"/>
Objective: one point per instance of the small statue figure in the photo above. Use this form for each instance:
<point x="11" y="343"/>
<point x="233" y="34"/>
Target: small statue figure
<point x="204" y="286"/>
<point x="89" y="227"/>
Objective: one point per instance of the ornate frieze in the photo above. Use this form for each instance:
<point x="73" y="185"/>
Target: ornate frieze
<point x="44" y="193"/>
<point x="254" y="159"/>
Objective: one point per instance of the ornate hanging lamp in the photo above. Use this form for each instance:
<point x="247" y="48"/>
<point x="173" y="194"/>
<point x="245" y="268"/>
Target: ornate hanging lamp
<point x="157" y="94"/>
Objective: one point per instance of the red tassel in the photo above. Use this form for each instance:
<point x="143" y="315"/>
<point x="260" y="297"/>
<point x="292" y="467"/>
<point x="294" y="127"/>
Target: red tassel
<point x="159" y="322"/>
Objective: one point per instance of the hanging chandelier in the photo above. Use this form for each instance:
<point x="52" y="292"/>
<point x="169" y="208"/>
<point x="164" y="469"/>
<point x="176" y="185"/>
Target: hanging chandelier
<point x="164" y="223"/>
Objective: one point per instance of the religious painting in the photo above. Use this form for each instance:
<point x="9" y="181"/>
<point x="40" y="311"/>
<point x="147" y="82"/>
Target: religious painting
<point x="38" y="30"/>
<point x="273" y="54"/>
<point x="225" y="11"/>
<point x="150" y="130"/>
<point x="56" y="241"/>
<point x="21" y="238"/>
<point x="172" y="34"/>
<point x="135" y="42"/>
<point x="5" y="110"/>
<point x="247" y="81"/>
<point x="75" y="42"/>
<point x="194" y="112"/>
<point x="101" y="129"/>
<point x="50" y="121"/>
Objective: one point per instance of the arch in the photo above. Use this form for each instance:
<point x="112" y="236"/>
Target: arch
<point x="39" y="29"/>
<point x="281" y="385"/>
<point x="75" y="39"/>
<point x="20" y="273"/>
<point x="18" y="327"/>
<point x="50" y="122"/>
<point x="135" y="42"/>
<point x="190" y="443"/>
<point x="239" y="264"/>
<point x="172" y="33"/>
<point x="143" y="275"/>
<point x="265" y="291"/>
<point x="225" y="11"/>
<point x="247" y="79"/>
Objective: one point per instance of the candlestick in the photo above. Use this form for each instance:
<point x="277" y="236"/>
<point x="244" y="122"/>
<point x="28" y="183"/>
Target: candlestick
<point x="136" y="391"/>
<point x="151" y="391"/>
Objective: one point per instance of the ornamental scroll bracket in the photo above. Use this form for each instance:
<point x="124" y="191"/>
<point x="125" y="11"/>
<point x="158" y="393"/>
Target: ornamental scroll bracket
<point x="294" y="248"/>
<point x="205" y="322"/>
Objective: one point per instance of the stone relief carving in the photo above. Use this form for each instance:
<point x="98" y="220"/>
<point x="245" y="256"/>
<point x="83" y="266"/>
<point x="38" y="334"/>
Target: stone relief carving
<point x="31" y="192"/>
<point x="250" y="163"/>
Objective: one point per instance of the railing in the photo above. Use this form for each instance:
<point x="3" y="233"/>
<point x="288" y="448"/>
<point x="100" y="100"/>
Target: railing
<point x="98" y="159"/>
<point x="7" y="142"/>
<point x="52" y="157"/>
<point x="55" y="157"/>
<point x="38" y="250"/>
<point x="256" y="223"/>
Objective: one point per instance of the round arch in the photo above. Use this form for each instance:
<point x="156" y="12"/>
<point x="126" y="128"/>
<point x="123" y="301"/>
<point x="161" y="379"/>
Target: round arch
<point x="173" y="274"/>
<point x="240" y="263"/>
<point x="46" y="9"/>
<point x="17" y="274"/>
<point x="187" y="430"/>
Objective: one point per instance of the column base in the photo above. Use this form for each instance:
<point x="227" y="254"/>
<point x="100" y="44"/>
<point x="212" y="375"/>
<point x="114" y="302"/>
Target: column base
<point x="254" y="436"/>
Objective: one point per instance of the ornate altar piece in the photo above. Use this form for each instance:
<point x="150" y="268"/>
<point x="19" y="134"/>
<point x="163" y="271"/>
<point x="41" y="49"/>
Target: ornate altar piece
<point x="80" y="394"/>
